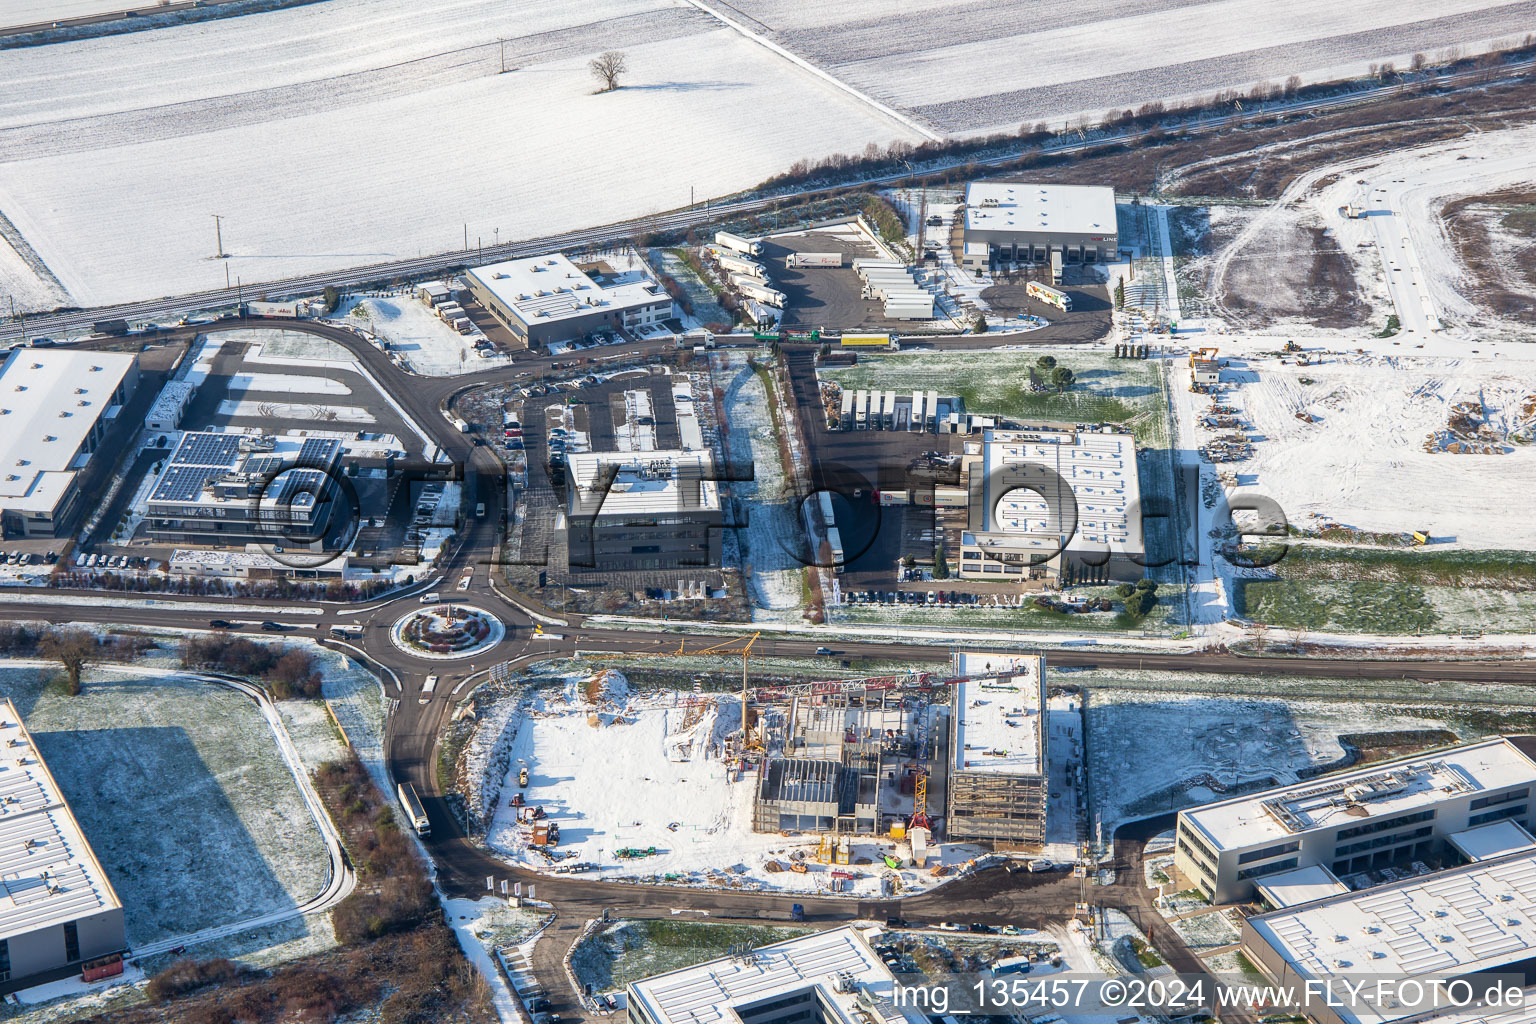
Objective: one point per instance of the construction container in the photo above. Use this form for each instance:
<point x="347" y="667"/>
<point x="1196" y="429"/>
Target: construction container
<point x="898" y="830"/>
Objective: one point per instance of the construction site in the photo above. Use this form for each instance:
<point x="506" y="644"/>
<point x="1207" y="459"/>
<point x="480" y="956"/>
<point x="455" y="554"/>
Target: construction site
<point x="814" y="782"/>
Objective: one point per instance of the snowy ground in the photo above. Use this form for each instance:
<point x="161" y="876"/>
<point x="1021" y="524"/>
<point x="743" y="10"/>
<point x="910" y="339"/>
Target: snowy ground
<point x="1101" y="55"/>
<point x="1153" y="752"/>
<point x="773" y="521"/>
<point x="311" y="130"/>
<point x="31" y="12"/>
<point x="295" y="411"/>
<point x="179" y="787"/>
<point x="673" y="794"/>
<point x="1362" y="450"/>
<point x="420" y="338"/>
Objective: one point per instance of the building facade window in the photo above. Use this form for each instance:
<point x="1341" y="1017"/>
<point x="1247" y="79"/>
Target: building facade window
<point x="71" y="941"/>
<point x="1261" y="870"/>
<point x="1268" y="852"/>
<point x="1502" y="812"/>
<point x="1499" y="798"/>
<point x="1194" y="841"/>
<point x="1380" y="841"/>
<point x="1386" y="823"/>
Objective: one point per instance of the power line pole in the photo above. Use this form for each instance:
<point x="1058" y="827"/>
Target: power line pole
<point x="218" y="232"/>
<point x="503" y="56"/>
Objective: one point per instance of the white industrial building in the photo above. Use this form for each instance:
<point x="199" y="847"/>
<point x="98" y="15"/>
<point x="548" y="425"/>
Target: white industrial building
<point x="1391" y="813"/>
<point x="548" y="299"/>
<point x="997" y="775"/>
<point x="1054" y="503"/>
<point x="55" y="407"/>
<point x="642" y="510"/>
<point x="829" y="977"/>
<point x="1012" y="222"/>
<point x="58" y="912"/>
<point x="1448" y="925"/>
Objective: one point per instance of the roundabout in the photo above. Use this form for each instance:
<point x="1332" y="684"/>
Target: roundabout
<point x="447" y="631"/>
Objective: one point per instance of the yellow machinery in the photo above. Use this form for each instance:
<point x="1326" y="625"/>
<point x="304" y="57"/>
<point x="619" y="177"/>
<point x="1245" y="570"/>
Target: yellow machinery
<point x="1420" y="537"/>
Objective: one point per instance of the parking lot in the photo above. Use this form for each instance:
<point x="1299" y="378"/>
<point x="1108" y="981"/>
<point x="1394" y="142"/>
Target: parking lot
<point x="829" y="298"/>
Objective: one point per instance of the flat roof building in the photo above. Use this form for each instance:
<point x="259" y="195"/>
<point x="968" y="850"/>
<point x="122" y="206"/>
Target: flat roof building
<point x="997" y="774"/>
<point x="642" y="510"/>
<point x="55" y="407"/>
<point x="829" y="977"/>
<point x="548" y="299"/>
<point x="1446" y="925"/>
<point x="1012" y="222"/>
<point x="1389" y="813"/>
<point x="58" y="912"/>
<point x="234" y="489"/>
<point x="1054" y="502"/>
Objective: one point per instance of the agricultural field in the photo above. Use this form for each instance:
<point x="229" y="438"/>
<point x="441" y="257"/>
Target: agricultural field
<point x="311" y="129"/>
<point x="180" y="789"/>
<point x="1369" y="607"/>
<point x="1106" y="390"/>
<point x="957" y="65"/>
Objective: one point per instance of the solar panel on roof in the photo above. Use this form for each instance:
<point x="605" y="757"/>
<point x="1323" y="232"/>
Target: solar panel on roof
<point x="184" y="483"/>
<point x="206" y="449"/>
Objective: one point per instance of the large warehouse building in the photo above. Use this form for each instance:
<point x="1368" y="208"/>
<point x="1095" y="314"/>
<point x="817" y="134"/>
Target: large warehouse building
<point x="55" y="408"/>
<point x="1456" y="924"/>
<point x="997" y="776"/>
<point x="548" y="299"/>
<point x="1392" y="813"/>
<point x="1008" y="222"/>
<point x="642" y="510"/>
<point x="1054" y="502"/>
<point x="58" y="913"/>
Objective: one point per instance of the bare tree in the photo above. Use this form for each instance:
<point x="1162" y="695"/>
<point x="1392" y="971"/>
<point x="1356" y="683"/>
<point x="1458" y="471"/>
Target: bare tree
<point x="607" y="66"/>
<point x="71" y="648"/>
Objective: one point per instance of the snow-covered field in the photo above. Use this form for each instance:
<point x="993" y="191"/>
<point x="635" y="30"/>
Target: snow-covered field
<point x="1152" y="752"/>
<point x="182" y="793"/>
<point x="1045" y="61"/>
<point x="623" y="773"/>
<point x="354" y="131"/>
<point x="31" y="12"/>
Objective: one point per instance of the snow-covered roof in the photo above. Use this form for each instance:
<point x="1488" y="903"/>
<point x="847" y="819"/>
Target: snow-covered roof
<point x="1384" y="789"/>
<point x="643" y="483"/>
<point x="544" y="289"/>
<point x="50" y="401"/>
<point x="999" y="720"/>
<point x="1292" y="888"/>
<point x="1495" y="839"/>
<point x="1449" y="924"/>
<point x="726" y="989"/>
<point x="1019" y="468"/>
<point x="1054" y="209"/>
<point x="171" y="401"/>
<point x="48" y="874"/>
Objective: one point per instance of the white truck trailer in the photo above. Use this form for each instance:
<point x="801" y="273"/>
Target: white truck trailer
<point x="746" y="246"/>
<point x="815" y="259"/>
<point x="738" y="265"/>
<point x="757" y="290"/>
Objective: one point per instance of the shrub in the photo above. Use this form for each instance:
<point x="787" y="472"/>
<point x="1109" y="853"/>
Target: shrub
<point x="1124" y="590"/>
<point x="185" y="976"/>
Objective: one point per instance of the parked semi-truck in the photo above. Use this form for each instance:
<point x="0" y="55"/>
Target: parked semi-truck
<point x="113" y="327"/>
<point x="739" y="265"/>
<point x="815" y="259"/>
<point x="760" y="292"/>
<point x="1050" y="296"/>
<point x="414" y="812"/>
<point x="749" y="246"/>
